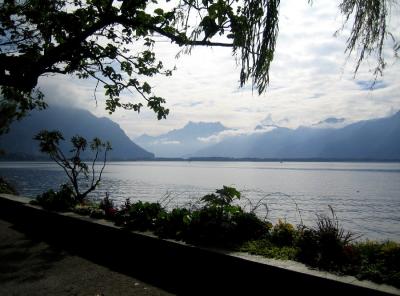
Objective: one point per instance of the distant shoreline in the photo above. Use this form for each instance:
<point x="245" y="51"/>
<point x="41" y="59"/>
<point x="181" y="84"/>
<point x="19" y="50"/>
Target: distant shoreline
<point x="215" y="159"/>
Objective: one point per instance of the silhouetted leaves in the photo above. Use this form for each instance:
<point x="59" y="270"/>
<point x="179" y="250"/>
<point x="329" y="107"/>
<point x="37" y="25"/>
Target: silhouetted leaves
<point x="74" y="166"/>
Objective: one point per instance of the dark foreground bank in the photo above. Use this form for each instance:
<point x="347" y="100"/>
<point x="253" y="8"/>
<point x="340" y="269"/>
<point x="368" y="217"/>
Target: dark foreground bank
<point x="30" y="266"/>
<point x="175" y="267"/>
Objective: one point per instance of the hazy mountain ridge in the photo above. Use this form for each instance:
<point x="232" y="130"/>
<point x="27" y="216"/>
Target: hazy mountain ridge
<point x="19" y="142"/>
<point x="181" y="142"/>
<point x="370" y="139"/>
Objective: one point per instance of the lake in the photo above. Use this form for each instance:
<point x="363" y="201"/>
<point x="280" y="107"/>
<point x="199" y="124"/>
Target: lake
<point x="364" y="196"/>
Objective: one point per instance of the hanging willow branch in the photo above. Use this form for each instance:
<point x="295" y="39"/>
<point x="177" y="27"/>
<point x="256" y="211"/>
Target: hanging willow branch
<point x="369" y="29"/>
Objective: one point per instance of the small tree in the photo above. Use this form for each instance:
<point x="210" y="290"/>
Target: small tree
<point x="73" y="166"/>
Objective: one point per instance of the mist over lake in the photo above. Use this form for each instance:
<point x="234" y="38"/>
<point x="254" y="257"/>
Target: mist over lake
<point x="365" y="196"/>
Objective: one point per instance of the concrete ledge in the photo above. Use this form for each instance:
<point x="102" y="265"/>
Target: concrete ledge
<point x="175" y="266"/>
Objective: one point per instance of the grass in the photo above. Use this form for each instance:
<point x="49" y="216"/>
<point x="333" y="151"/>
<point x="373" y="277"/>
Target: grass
<point x="266" y="248"/>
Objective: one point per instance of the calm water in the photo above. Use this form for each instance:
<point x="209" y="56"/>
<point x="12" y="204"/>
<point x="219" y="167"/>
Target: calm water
<point x="365" y="196"/>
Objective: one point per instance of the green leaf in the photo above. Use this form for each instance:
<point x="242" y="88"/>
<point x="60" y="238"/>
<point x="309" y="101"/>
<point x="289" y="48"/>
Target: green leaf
<point x="159" y="11"/>
<point x="146" y="88"/>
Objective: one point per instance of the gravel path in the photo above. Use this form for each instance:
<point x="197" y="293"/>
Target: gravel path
<point x="29" y="267"/>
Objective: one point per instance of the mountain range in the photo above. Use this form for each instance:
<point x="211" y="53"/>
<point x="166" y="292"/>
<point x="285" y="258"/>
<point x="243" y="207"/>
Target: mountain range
<point x="371" y="139"/>
<point x="181" y="142"/>
<point x="18" y="143"/>
<point x="377" y="139"/>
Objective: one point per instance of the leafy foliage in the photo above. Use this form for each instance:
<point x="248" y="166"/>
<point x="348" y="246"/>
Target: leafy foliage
<point x="174" y="224"/>
<point x="74" y="167"/>
<point x="266" y="248"/>
<point x="85" y="209"/>
<point x="140" y="215"/>
<point x="327" y="245"/>
<point x="283" y="234"/>
<point x="107" y="205"/>
<point x="93" y="39"/>
<point x="6" y="187"/>
<point x="216" y="222"/>
<point x="61" y="201"/>
<point x="224" y="197"/>
<point x="94" y="210"/>
<point x="369" y="30"/>
<point x="219" y="223"/>
<point x="379" y="262"/>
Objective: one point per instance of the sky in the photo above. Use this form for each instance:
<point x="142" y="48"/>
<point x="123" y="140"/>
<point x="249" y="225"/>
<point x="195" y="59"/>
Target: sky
<point x="311" y="79"/>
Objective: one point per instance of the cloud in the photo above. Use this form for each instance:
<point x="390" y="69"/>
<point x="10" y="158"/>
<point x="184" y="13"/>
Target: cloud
<point x="234" y="133"/>
<point x="188" y="104"/>
<point x="163" y="142"/>
<point x="167" y="142"/>
<point x="310" y="80"/>
<point x="222" y="135"/>
<point x="331" y="122"/>
<point x="269" y="122"/>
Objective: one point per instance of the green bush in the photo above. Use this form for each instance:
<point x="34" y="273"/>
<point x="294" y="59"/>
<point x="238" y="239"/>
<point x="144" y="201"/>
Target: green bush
<point x="210" y="226"/>
<point x="283" y="234"/>
<point x="219" y="222"/>
<point x="6" y="187"/>
<point x="60" y="201"/>
<point x="174" y="224"/>
<point x="97" y="213"/>
<point x="140" y="216"/>
<point x="107" y="205"/>
<point x="249" y="227"/>
<point x="265" y="248"/>
<point x="308" y="245"/>
<point x="327" y="245"/>
<point x="90" y="209"/>
<point x="379" y="262"/>
<point x="83" y="209"/>
<point x="122" y="215"/>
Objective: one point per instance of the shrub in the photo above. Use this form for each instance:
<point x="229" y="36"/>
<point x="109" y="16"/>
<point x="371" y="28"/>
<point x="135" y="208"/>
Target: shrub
<point x="283" y="234"/>
<point x="266" y="248"/>
<point x="379" y="262"/>
<point x="224" y="197"/>
<point x="61" y="201"/>
<point x="6" y="187"/>
<point x="219" y="222"/>
<point x="97" y="213"/>
<point x="90" y="209"/>
<point x="141" y="216"/>
<point x="308" y="246"/>
<point x="122" y="215"/>
<point x="107" y="205"/>
<point x="249" y="227"/>
<point x="209" y="226"/>
<point x="327" y="245"/>
<point x="174" y="224"/>
<point x="83" y="209"/>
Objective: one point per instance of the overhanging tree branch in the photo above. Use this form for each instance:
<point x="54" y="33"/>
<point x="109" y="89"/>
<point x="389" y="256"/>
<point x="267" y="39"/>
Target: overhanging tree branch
<point x="86" y="39"/>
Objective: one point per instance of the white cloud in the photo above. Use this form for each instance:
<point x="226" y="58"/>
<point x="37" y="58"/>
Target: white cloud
<point x="310" y="81"/>
<point x="166" y="142"/>
<point x="234" y="133"/>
